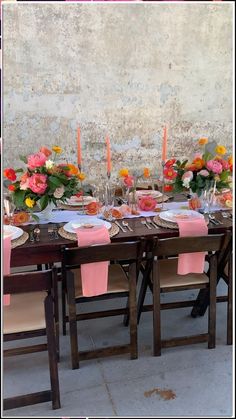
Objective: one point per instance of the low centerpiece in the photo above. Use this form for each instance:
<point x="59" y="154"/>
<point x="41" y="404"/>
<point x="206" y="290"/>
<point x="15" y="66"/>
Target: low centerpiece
<point x="44" y="183"/>
<point x="210" y="168"/>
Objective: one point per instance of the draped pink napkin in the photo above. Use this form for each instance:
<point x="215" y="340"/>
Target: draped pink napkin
<point x="6" y="264"/>
<point x="94" y="276"/>
<point x="191" y="262"/>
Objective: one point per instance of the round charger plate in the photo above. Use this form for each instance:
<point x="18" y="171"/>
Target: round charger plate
<point x="85" y="220"/>
<point x="21" y="240"/>
<point x="181" y="214"/>
<point x="149" y="192"/>
<point x="72" y="236"/>
<point x="13" y="231"/>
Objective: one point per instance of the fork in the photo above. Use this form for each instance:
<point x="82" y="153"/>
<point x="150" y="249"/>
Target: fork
<point x="55" y="233"/>
<point x="144" y="222"/>
<point x="148" y="219"/>
<point x="51" y="233"/>
<point x="213" y="218"/>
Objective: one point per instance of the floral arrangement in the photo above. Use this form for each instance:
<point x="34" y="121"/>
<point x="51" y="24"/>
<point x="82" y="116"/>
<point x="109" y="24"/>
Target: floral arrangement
<point x="43" y="181"/>
<point x="209" y="165"/>
<point x="130" y="181"/>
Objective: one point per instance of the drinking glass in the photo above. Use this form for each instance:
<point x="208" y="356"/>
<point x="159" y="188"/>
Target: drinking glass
<point x="208" y="196"/>
<point x="9" y="207"/>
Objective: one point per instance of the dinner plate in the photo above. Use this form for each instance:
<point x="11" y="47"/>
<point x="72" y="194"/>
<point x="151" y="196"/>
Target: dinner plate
<point x="149" y="192"/>
<point x="14" y="232"/>
<point x="75" y="201"/>
<point x="85" y="221"/>
<point x="178" y="214"/>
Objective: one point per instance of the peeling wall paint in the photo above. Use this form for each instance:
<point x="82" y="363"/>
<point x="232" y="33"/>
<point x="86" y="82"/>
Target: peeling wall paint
<point x="124" y="70"/>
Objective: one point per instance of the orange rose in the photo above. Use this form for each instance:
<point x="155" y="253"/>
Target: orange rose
<point x="199" y="163"/>
<point x="203" y="141"/>
<point x="45" y="151"/>
<point x="73" y="170"/>
<point x="92" y="208"/>
<point x="10" y="174"/>
<point x="21" y="217"/>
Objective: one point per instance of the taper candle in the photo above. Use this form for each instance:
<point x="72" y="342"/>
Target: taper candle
<point x="164" y="144"/>
<point x="108" y="156"/>
<point x="79" y="156"/>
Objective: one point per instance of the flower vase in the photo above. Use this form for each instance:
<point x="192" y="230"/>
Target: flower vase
<point x="46" y="214"/>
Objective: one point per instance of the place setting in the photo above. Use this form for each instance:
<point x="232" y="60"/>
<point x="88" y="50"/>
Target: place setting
<point x="86" y="223"/>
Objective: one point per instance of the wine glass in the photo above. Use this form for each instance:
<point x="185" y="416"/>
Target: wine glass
<point x="9" y="207"/>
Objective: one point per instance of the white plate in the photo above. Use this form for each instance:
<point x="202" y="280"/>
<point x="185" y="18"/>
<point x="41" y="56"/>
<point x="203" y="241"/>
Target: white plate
<point x="146" y="192"/>
<point x="75" y="201"/>
<point x="80" y="221"/>
<point x="14" y="232"/>
<point x="175" y="214"/>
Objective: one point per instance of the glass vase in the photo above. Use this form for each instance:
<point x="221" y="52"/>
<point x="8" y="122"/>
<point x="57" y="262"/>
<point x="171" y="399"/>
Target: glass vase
<point x="47" y="213"/>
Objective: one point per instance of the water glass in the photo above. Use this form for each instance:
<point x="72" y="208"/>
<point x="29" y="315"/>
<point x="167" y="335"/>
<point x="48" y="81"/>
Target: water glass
<point x="208" y="196"/>
<point x="9" y="207"/>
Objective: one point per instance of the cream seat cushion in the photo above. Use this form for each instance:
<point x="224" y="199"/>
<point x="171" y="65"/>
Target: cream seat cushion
<point x="25" y="313"/>
<point x="117" y="280"/>
<point x="170" y="278"/>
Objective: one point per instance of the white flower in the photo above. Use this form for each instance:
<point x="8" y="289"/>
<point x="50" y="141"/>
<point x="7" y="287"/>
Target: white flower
<point x="59" y="192"/>
<point x="186" y="182"/>
<point x="49" y="164"/>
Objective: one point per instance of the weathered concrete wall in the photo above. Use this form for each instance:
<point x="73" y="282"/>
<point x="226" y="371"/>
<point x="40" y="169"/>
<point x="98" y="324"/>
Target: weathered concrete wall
<point x="121" y="69"/>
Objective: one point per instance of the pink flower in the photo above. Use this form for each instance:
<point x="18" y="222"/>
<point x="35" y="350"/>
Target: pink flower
<point x="188" y="175"/>
<point x="224" y="164"/>
<point x="214" y="166"/>
<point x="129" y="181"/>
<point x="147" y="203"/>
<point x="203" y="172"/>
<point x="36" y="160"/>
<point x="24" y="182"/>
<point x="38" y="183"/>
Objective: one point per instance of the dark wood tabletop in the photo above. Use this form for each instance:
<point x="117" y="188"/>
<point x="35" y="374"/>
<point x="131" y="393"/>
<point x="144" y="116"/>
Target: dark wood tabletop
<point x="49" y="251"/>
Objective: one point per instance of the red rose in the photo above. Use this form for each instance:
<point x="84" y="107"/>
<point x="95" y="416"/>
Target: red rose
<point x="170" y="162"/>
<point x="10" y="174"/>
<point x="168" y="188"/>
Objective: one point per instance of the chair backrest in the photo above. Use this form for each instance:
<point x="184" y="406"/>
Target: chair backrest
<point x="179" y="245"/>
<point x="72" y="258"/>
<point x="31" y="282"/>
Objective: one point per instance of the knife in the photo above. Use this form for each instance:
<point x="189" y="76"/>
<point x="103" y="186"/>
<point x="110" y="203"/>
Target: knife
<point x="120" y="226"/>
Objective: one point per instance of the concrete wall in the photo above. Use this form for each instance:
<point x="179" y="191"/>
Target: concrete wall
<point x="121" y="69"/>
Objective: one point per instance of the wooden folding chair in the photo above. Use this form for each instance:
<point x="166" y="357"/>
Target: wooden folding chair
<point x="120" y="284"/>
<point x="33" y="312"/>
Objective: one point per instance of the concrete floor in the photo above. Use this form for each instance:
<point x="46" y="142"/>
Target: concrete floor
<point x="189" y="381"/>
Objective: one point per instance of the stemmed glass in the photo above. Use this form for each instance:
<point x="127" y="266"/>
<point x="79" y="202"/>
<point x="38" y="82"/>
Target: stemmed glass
<point x="9" y="207"/>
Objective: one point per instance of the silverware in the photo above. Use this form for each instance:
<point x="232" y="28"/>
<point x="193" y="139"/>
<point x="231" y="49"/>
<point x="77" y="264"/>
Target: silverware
<point x="120" y="226"/>
<point x="226" y="214"/>
<point x="151" y="222"/>
<point x="51" y="233"/>
<point x="144" y="222"/>
<point x="55" y="233"/>
<point x="125" y="224"/>
<point x="213" y="218"/>
<point x="37" y="234"/>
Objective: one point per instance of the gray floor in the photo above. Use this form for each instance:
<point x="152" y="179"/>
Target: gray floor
<point x="185" y="381"/>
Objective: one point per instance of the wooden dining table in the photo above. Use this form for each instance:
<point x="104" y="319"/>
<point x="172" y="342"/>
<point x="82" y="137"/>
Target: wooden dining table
<point x="47" y="251"/>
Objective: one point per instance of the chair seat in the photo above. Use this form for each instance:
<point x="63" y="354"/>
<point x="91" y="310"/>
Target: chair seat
<point x="170" y="278"/>
<point x="117" y="280"/>
<point x="25" y="313"/>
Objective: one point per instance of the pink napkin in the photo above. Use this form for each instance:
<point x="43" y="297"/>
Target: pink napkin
<point x="94" y="276"/>
<point x="192" y="262"/>
<point x="6" y="264"/>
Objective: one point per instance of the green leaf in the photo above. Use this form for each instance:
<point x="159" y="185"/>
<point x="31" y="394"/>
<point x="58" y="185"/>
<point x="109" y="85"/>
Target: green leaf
<point x="43" y="202"/>
<point x="19" y="198"/>
<point x="55" y="181"/>
<point x="23" y="158"/>
<point x="19" y="170"/>
<point x="35" y="217"/>
<point x="224" y="176"/>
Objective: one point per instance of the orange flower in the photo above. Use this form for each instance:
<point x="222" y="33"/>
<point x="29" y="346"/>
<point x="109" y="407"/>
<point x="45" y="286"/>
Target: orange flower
<point x="123" y="172"/>
<point x="203" y="141"/>
<point x="92" y="208"/>
<point x="73" y="170"/>
<point x="45" y="151"/>
<point x="81" y="176"/>
<point x="170" y="162"/>
<point x="199" y="163"/>
<point x="21" y="217"/>
<point x="146" y="172"/>
<point x="230" y="160"/>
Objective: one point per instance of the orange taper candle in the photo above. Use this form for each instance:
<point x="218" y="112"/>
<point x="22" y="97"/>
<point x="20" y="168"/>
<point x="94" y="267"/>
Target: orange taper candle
<point x="164" y="144"/>
<point x="108" y="156"/>
<point x="79" y="149"/>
